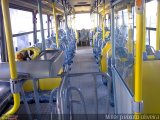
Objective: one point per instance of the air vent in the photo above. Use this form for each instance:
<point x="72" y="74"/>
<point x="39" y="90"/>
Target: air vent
<point x="82" y="3"/>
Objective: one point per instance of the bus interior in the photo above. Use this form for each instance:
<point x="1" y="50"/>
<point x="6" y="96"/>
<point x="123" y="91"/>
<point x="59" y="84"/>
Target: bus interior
<point x="79" y="59"/>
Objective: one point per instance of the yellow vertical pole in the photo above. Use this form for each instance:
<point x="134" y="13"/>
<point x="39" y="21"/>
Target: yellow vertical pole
<point x="144" y="28"/>
<point x="103" y="22"/>
<point x="130" y="44"/>
<point x="103" y="65"/>
<point x="158" y="26"/>
<point x="11" y="55"/>
<point x="139" y="50"/>
<point x="55" y="23"/>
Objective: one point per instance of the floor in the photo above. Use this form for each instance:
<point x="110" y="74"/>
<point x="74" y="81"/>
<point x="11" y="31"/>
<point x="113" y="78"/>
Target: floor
<point x="89" y="86"/>
<point x="84" y="62"/>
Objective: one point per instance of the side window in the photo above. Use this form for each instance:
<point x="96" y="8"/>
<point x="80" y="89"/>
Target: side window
<point x="51" y="25"/>
<point x="22" y="28"/>
<point x="84" y="19"/>
<point x="124" y="53"/>
<point x="151" y="19"/>
<point x="44" y="27"/>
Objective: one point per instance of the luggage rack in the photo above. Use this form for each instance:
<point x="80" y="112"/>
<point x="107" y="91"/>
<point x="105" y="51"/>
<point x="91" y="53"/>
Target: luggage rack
<point x="47" y="65"/>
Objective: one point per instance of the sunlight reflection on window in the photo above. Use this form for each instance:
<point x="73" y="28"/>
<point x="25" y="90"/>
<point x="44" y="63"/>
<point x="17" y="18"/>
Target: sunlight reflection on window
<point x="151" y="20"/>
<point x="83" y="21"/>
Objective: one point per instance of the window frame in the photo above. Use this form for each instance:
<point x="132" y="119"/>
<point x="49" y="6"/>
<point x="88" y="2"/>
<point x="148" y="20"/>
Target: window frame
<point x="34" y="23"/>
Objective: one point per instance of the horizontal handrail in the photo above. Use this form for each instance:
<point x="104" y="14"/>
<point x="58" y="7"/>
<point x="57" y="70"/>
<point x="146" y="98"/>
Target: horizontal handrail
<point x="80" y="74"/>
<point x="149" y="28"/>
<point x="25" y="33"/>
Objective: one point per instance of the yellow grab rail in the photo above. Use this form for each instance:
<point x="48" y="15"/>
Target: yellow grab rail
<point x="55" y="23"/>
<point x="144" y="28"/>
<point x="105" y="54"/>
<point x="11" y="55"/>
<point x="139" y="50"/>
<point x="158" y="27"/>
<point x="138" y="60"/>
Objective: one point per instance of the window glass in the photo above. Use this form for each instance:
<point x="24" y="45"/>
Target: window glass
<point x="44" y="27"/>
<point x="51" y="23"/>
<point x="151" y="13"/>
<point x="21" y="21"/>
<point x="23" y="41"/>
<point x="122" y="18"/>
<point x="39" y="37"/>
<point x="46" y="34"/>
<point x="147" y="37"/>
<point x="83" y="21"/>
<point x="44" y="21"/>
<point x="124" y="47"/>
<point x="107" y="21"/>
<point x="153" y="39"/>
<point x="134" y="17"/>
<point x="151" y="20"/>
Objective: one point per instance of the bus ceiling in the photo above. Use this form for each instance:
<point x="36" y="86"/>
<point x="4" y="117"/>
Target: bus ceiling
<point x="73" y="6"/>
<point x="32" y="5"/>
